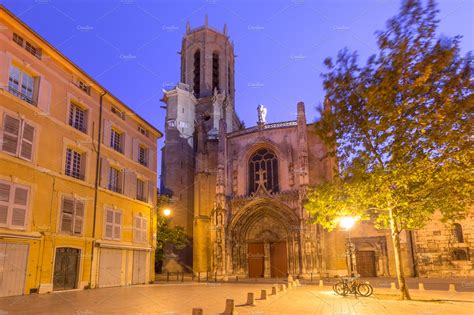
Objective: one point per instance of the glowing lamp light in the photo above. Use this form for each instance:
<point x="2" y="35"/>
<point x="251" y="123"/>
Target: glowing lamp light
<point x="167" y="212"/>
<point x="347" y="222"/>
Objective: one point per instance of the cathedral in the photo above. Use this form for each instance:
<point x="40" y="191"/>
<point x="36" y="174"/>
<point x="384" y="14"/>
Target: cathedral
<point x="239" y="192"/>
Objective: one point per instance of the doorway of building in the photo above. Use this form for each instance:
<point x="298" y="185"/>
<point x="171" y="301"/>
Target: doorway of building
<point x="66" y="268"/>
<point x="365" y="262"/>
<point x="256" y="260"/>
<point x="278" y="260"/>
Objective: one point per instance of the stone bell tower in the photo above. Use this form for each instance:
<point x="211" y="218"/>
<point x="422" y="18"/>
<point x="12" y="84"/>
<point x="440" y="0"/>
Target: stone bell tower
<point x="194" y="111"/>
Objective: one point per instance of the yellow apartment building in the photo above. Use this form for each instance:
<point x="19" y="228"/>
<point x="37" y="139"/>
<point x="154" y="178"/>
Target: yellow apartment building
<point x="77" y="174"/>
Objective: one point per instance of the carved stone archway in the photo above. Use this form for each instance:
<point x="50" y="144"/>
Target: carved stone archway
<point x="263" y="232"/>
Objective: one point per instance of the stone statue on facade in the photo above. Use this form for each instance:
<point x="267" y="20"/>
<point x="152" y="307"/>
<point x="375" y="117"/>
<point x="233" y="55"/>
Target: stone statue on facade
<point x="262" y="114"/>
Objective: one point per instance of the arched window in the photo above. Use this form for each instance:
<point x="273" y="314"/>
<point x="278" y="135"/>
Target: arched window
<point x="459" y="254"/>
<point x="457" y="233"/>
<point x="197" y="73"/>
<point x="215" y="71"/>
<point x="263" y="170"/>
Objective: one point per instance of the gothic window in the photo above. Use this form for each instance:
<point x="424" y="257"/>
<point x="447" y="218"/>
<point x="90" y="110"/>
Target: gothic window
<point x="457" y="233"/>
<point x="263" y="170"/>
<point x="197" y="72"/>
<point x="215" y="71"/>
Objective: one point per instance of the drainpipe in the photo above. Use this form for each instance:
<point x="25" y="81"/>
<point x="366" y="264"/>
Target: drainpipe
<point x="96" y="184"/>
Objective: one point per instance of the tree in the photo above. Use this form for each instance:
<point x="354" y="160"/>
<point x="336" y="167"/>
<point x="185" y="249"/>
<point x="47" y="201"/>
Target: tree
<point x="166" y="234"/>
<point x="401" y="126"/>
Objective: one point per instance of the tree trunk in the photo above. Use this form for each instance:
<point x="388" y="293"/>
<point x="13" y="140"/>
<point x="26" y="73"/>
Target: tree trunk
<point x="395" y="233"/>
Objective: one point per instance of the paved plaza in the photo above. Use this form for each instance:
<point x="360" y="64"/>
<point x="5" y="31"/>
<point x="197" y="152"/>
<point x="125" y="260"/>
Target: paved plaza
<point x="173" y="299"/>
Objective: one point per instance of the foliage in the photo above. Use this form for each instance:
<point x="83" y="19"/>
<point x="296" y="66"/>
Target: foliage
<point x="401" y="126"/>
<point x="167" y="235"/>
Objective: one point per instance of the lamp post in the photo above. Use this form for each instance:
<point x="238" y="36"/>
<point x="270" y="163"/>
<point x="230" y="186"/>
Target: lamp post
<point x="167" y="212"/>
<point x="347" y="223"/>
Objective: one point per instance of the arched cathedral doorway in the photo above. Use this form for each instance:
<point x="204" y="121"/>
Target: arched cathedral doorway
<point x="263" y="240"/>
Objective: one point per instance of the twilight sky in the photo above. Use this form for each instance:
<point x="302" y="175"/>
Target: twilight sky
<point x="130" y="46"/>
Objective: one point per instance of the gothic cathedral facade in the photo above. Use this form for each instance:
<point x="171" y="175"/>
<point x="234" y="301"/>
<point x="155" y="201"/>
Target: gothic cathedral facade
<point x="239" y="192"/>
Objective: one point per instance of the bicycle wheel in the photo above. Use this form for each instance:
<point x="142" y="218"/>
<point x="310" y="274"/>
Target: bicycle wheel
<point x="341" y="288"/>
<point x="365" y="289"/>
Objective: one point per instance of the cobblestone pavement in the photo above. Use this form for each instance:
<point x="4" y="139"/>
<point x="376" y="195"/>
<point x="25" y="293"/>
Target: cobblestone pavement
<point x="170" y="299"/>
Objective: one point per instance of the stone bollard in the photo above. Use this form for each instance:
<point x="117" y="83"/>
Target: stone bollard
<point x="294" y="284"/>
<point x="290" y="285"/>
<point x="421" y="286"/>
<point x="275" y="290"/>
<point x="283" y="287"/>
<point x="229" y="307"/>
<point x="452" y="288"/>
<point x="197" y="311"/>
<point x="250" y="299"/>
<point x="393" y="286"/>
<point x="290" y="278"/>
<point x="263" y="294"/>
<point x="298" y="282"/>
<point x="321" y="283"/>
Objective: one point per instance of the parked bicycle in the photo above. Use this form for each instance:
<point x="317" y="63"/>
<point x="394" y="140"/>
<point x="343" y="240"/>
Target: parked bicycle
<point x="352" y="285"/>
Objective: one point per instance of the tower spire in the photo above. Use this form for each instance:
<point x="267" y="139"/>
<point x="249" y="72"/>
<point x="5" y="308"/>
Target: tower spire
<point x="206" y="21"/>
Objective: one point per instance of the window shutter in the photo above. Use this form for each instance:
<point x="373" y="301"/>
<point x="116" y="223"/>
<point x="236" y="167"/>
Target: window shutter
<point x="151" y="160"/>
<point x="135" y="145"/>
<point x="107" y="132"/>
<point x="44" y="95"/>
<point x="83" y="166"/>
<point x="104" y="172"/>
<point x="36" y="86"/>
<point x="136" y="229"/>
<point x="117" y="225"/>
<point x="11" y="134"/>
<point x="128" y="145"/>
<point x="151" y="192"/>
<point x="5" y="61"/>
<point x="144" y="229"/>
<point x="67" y="213"/>
<point x="79" y="217"/>
<point x="4" y="202"/>
<point x="109" y="223"/>
<point x="26" y="147"/>
<point x="130" y="186"/>
<point x="20" y="205"/>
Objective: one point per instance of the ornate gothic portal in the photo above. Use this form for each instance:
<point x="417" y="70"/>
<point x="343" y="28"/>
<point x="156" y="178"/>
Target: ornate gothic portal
<point x="263" y="240"/>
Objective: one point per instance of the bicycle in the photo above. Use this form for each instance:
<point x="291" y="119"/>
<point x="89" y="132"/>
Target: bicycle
<point x="351" y="285"/>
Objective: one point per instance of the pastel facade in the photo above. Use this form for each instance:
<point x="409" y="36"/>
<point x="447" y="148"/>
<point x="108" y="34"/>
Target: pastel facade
<point x="77" y="174"/>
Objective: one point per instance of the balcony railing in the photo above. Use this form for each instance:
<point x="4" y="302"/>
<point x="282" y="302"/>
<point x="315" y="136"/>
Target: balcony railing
<point x="22" y="96"/>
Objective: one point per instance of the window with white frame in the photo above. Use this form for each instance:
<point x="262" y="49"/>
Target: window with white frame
<point x="139" y="229"/>
<point x="18" y="137"/>
<point x="116" y="140"/>
<point x="117" y="112"/>
<point x="84" y="87"/>
<point x="142" y="155"/>
<point x="78" y="117"/>
<point x="113" y="224"/>
<point x="13" y="205"/>
<point x="115" y="179"/>
<point x="21" y="84"/>
<point x="18" y="39"/>
<point x="75" y="164"/>
<point x="29" y="47"/>
<point x="141" y="190"/>
<point x="72" y="216"/>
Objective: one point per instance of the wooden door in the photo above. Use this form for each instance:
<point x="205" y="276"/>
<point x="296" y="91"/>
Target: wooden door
<point x="66" y="268"/>
<point x="278" y="260"/>
<point x="365" y="263"/>
<point x="110" y="267"/>
<point x="256" y="260"/>
<point x="13" y="264"/>
<point x="139" y="267"/>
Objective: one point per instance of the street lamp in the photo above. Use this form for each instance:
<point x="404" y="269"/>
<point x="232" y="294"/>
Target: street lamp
<point x="347" y="223"/>
<point x="167" y="212"/>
